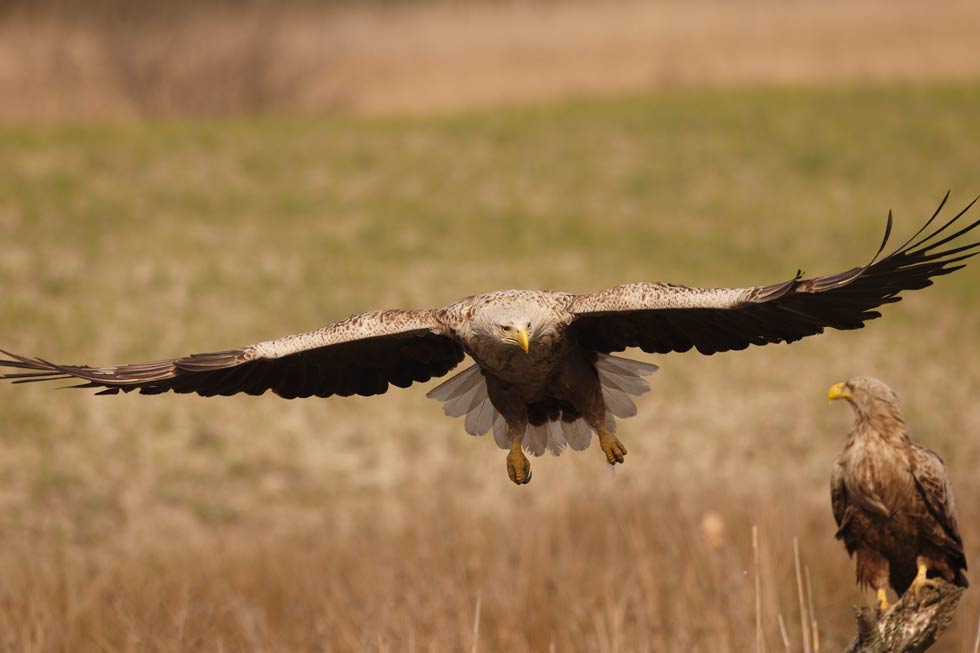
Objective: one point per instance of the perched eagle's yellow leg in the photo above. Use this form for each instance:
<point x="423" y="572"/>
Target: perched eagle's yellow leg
<point x="883" y="604"/>
<point x="611" y="446"/>
<point x="921" y="581"/>
<point x="518" y="466"/>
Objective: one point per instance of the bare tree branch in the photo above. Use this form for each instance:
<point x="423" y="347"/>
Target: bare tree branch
<point x="911" y="625"/>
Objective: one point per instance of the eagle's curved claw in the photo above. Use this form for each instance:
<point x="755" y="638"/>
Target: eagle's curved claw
<point x="921" y="581"/>
<point x="518" y="466"/>
<point x="612" y="447"/>
<point x="882" y="598"/>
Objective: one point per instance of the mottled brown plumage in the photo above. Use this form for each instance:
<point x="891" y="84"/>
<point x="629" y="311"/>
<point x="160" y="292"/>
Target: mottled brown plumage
<point x="543" y="378"/>
<point x="892" y="500"/>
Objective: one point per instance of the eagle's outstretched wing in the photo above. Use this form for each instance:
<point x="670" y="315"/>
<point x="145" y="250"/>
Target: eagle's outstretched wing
<point x="661" y="318"/>
<point x="360" y="355"/>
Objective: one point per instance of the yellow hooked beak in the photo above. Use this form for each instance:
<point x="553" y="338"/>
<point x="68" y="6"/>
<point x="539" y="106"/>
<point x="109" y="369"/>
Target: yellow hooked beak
<point x="838" y="392"/>
<point x="522" y="339"/>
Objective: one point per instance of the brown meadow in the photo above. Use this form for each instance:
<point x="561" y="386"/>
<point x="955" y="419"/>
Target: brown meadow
<point x="112" y="59"/>
<point x="375" y="524"/>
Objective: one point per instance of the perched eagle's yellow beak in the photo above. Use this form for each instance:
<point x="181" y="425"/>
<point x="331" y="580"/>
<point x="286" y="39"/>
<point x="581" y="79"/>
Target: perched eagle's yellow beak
<point x="522" y="339"/>
<point x="838" y="392"/>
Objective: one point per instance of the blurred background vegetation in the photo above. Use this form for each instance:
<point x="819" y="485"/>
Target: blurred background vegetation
<point x="115" y="59"/>
<point x="209" y="175"/>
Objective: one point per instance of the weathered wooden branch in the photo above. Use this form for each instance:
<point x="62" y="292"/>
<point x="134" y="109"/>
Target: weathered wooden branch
<point x="909" y="626"/>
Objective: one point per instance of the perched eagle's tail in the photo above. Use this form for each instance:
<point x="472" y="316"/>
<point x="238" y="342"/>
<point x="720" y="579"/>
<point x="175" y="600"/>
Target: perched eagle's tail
<point x="465" y="395"/>
<point x="960" y="580"/>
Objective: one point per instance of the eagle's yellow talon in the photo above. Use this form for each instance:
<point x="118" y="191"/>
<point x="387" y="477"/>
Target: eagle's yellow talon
<point x="921" y="581"/>
<point x="883" y="604"/>
<point x="612" y="447"/>
<point x="518" y="466"/>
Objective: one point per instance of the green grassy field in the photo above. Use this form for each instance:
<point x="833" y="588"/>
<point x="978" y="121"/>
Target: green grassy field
<point x="166" y="522"/>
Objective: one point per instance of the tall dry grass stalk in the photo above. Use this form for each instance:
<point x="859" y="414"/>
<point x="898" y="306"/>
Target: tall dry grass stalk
<point x="476" y="624"/>
<point x="814" y="626"/>
<point x="760" y="645"/>
<point x="782" y="632"/>
<point x="976" y="642"/>
<point x="804" y="615"/>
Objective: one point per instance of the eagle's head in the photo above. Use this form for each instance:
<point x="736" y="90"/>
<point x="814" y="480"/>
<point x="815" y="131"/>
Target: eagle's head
<point x="516" y="330"/>
<point x="511" y="323"/>
<point x="870" y="398"/>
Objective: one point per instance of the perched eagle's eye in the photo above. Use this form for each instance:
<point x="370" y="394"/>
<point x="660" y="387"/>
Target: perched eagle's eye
<point x="507" y="328"/>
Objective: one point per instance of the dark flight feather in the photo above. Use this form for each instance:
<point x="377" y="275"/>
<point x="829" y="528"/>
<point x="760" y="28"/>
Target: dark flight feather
<point x="784" y="312"/>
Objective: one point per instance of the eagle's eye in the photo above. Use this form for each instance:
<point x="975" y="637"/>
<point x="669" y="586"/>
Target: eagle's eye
<point x="506" y="328"/>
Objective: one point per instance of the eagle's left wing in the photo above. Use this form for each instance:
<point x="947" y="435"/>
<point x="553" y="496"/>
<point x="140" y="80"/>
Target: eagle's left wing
<point x="838" y="496"/>
<point x="933" y="486"/>
<point x="661" y="318"/>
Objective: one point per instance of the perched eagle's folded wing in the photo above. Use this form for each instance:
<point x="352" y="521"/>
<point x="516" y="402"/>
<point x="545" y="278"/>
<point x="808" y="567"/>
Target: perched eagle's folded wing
<point x="932" y="483"/>
<point x="838" y="499"/>
<point x="660" y="317"/>
<point x="360" y="355"/>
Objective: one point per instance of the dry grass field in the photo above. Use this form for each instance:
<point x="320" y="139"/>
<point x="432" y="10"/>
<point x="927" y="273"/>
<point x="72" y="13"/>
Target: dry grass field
<point x="64" y="60"/>
<point x="179" y="523"/>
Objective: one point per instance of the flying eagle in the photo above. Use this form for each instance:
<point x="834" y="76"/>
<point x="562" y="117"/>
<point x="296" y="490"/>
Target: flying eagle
<point x="544" y="376"/>
<point x="892" y="499"/>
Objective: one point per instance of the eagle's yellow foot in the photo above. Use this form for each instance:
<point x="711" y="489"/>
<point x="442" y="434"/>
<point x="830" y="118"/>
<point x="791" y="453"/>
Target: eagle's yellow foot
<point x="518" y="466"/>
<point x="883" y="604"/>
<point x="612" y="447"/>
<point x="921" y="581"/>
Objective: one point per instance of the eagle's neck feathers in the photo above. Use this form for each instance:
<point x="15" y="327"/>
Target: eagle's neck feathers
<point x="882" y="421"/>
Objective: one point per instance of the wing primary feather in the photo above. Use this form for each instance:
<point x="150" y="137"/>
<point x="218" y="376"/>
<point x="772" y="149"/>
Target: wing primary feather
<point x="931" y="219"/>
<point x="27" y="376"/>
<point x="925" y="239"/>
<point x="884" y="240"/>
<point x="51" y="377"/>
<point x="857" y="272"/>
<point x="948" y="238"/>
<point x="923" y="242"/>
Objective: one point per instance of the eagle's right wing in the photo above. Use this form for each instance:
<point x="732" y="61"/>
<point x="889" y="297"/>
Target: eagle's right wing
<point x="360" y="355"/>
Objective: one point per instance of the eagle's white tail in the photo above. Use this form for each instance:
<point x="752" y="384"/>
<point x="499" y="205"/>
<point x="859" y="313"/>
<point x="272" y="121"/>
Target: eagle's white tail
<point x="466" y="395"/>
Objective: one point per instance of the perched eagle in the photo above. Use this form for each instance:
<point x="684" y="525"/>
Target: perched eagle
<point x="892" y="499"/>
<point x="544" y="378"/>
